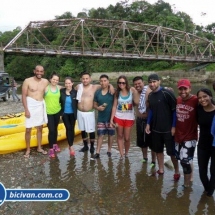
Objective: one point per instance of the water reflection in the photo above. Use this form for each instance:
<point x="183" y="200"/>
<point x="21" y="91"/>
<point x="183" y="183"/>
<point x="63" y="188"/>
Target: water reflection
<point x="128" y="186"/>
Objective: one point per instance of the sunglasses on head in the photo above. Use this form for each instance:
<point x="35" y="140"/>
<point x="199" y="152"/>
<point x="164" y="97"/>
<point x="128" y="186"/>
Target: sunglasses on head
<point x="121" y="83"/>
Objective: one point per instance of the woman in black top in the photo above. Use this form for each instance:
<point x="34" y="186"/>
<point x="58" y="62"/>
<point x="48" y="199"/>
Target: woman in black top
<point x="69" y="111"/>
<point x="206" y="151"/>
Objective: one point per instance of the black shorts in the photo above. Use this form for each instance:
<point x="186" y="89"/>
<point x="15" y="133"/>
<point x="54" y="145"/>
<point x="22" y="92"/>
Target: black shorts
<point x="161" y="139"/>
<point x="143" y="139"/>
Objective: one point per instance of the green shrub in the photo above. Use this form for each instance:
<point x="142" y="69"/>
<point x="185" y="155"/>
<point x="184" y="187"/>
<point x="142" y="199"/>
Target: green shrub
<point x="159" y="65"/>
<point x="211" y="67"/>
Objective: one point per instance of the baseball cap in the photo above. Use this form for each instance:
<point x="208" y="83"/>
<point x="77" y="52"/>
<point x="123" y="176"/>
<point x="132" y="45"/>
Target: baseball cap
<point x="184" y="83"/>
<point x="153" y="77"/>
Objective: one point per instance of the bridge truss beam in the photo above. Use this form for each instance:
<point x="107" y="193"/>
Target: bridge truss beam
<point x="110" y="39"/>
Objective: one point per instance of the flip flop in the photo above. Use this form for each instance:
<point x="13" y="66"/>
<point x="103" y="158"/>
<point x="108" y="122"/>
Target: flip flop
<point x="27" y="155"/>
<point x="43" y="152"/>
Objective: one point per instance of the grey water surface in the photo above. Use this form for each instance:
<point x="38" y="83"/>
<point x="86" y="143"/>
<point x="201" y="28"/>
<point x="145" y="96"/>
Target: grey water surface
<point x="103" y="186"/>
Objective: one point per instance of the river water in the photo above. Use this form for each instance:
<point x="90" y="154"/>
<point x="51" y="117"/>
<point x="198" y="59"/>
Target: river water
<point x="103" y="186"/>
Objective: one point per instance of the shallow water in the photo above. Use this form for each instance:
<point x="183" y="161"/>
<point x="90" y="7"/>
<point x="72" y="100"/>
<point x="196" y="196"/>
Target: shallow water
<point x="103" y="186"/>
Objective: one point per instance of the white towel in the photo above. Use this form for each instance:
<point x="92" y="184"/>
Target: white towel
<point x="37" y="111"/>
<point x="142" y="101"/>
<point x="79" y="92"/>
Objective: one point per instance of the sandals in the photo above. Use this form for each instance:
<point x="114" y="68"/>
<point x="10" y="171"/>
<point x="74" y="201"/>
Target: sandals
<point x="27" y="155"/>
<point x="43" y="152"/>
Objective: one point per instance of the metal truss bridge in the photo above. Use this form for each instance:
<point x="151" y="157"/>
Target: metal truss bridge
<point x="110" y="39"/>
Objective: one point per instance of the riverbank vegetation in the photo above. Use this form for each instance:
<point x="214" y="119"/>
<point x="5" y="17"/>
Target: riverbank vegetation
<point x="159" y="13"/>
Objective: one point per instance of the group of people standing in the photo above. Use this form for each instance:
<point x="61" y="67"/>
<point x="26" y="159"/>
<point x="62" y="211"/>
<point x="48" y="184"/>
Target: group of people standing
<point x="174" y="123"/>
<point x="45" y="102"/>
<point x="161" y="119"/>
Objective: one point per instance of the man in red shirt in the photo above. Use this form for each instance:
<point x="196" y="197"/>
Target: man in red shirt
<point x="186" y="133"/>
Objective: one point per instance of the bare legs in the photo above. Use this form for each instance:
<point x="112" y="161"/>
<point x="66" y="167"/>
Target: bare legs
<point x="175" y="164"/>
<point x="28" y="140"/>
<point x="100" y="141"/>
<point x="160" y="158"/>
<point x="123" y="139"/>
<point x="39" y="137"/>
<point x="145" y="154"/>
<point x="110" y="142"/>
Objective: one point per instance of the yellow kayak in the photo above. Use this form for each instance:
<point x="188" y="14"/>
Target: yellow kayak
<point x="15" y="142"/>
<point x="13" y="125"/>
<point x="9" y="116"/>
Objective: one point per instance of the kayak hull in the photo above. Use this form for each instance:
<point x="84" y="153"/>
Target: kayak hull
<point x="15" y="142"/>
<point x="12" y="125"/>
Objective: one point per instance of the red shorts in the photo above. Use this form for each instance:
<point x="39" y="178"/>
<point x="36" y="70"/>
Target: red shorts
<point x="123" y="122"/>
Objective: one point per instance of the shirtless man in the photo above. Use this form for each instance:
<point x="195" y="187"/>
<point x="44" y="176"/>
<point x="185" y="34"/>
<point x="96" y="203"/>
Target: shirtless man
<point x="86" y="113"/>
<point x="143" y="139"/>
<point x="33" y="89"/>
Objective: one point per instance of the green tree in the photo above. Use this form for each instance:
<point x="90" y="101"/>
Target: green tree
<point x="66" y="15"/>
<point x="22" y="67"/>
<point x="7" y="36"/>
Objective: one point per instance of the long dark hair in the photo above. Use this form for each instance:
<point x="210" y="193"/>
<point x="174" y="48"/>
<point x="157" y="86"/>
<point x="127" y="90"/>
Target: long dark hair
<point x="118" y="89"/>
<point x="54" y="74"/>
<point x="69" y="78"/>
<point x="208" y="92"/>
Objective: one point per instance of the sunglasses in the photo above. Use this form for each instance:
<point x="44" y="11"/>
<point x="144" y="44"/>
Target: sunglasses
<point x="121" y="83"/>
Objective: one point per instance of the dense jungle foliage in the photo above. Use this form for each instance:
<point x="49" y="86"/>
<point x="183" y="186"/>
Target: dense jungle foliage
<point x="159" y="13"/>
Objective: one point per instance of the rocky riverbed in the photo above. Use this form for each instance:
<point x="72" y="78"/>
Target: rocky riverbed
<point x="103" y="186"/>
<point x="9" y="107"/>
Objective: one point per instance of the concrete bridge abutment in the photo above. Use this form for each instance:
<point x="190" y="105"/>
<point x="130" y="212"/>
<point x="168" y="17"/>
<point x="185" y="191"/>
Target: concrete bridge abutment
<point x="1" y="60"/>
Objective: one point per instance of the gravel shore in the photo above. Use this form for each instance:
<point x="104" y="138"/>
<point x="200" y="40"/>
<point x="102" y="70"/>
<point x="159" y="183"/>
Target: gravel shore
<point x="10" y="106"/>
<point x="104" y="186"/>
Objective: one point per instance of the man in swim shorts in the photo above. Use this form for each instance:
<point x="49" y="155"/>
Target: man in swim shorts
<point x="86" y="113"/>
<point x="186" y="132"/>
<point x="161" y="122"/>
<point x="33" y="90"/>
<point x="103" y="102"/>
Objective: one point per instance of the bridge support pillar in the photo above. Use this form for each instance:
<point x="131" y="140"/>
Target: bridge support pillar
<point x="1" y="60"/>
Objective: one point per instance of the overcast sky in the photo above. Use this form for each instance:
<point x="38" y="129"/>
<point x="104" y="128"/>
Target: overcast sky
<point x="14" y="13"/>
